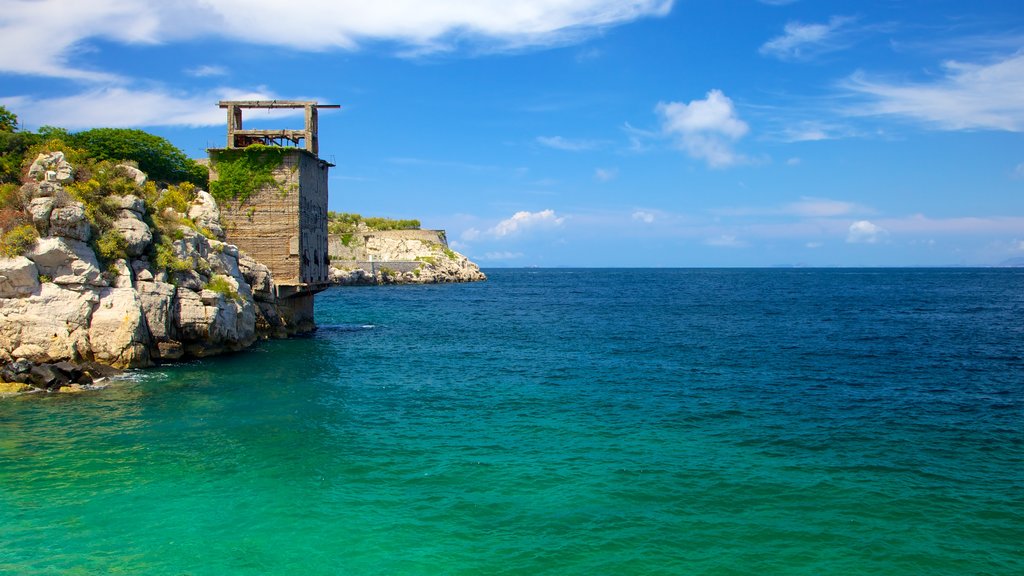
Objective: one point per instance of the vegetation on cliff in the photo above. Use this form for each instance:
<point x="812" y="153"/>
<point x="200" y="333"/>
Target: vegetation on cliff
<point x="110" y="164"/>
<point x="243" y="172"/>
<point x="159" y="159"/>
<point x="345" y="224"/>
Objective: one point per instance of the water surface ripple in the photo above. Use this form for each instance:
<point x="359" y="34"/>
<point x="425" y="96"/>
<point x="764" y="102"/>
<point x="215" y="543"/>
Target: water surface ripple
<point x="556" y="422"/>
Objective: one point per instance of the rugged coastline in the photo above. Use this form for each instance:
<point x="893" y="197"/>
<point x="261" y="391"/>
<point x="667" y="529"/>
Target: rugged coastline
<point x="179" y="291"/>
<point x="158" y="282"/>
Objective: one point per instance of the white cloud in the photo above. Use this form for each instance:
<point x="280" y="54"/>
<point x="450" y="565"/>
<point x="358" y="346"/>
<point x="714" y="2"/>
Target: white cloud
<point x="705" y="129"/>
<point x="643" y="216"/>
<point x="119" y="107"/>
<point x="821" y="207"/>
<point x="969" y="96"/>
<point x="794" y="161"/>
<point x="806" y="207"/>
<point x="864" y="232"/>
<point x="800" y="41"/>
<point x="606" y="174"/>
<point x="725" y="241"/>
<point x="560" y="143"/>
<point x="40" y="37"/>
<point x="521" y="221"/>
<point x="502" y="255"/>
<point x="206" y="71"/>
<point x="470" y="234"/>
<point x="1018" y="171"/>
<point x="814" y="245"/>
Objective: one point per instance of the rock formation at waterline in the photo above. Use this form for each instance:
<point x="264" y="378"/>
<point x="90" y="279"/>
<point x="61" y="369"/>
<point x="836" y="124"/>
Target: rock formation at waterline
<point x="369" y="256"/>
<point x="176" y="291"/>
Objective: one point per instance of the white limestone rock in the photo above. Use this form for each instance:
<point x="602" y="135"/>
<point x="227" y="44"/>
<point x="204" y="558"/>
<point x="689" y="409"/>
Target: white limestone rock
<point x="157" y="302"/>
<point x="48" y="326"/>
<point x="67" y="262"/>
<point x="51" y="167"/>
<point x="117" y="331"/>
<point x="130" y="203"/>
<point x="135" y="232"/>
<point x="205" y="213"/>
<point x="122" y="274"/>
<point x="132" y="172"/>
<point x="70" y="222"/>
<point x="18" y="277"/>
<point x="41" y="209"/>
<point x="257" y="276"/>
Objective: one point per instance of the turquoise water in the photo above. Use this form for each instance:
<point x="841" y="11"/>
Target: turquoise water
<point x="556" y="422"/>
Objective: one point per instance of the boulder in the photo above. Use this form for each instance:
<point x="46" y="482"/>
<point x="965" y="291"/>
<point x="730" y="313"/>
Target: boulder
<point x="117" y="332"/>
<point x="50" y="325"/>
<point x="41" y="209"/>
<point x="17" y="371"/>
<point x="66" y="261"/>
<point x="51" y="167"/>
<point x="132" y="172"/>
<point x="192" y="318"/>
<point x="157" y="301"/>
<point x="257" y="276"/>
<point x="130" y="203"/>
<point x="70" y="222"/>
<point x="135" y="232"/>
<point x="46" y="376"/>
<point x="122" y="274"/>
<point x="18" y="277"/>
<point x="205" y="213"/>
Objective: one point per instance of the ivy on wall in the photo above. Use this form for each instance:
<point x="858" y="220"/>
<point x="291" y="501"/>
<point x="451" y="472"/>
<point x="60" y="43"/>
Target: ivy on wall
<point x="241" y="172"/>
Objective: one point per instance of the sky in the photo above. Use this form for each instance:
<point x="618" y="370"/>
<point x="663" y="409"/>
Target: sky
<point x="621" y="133"/>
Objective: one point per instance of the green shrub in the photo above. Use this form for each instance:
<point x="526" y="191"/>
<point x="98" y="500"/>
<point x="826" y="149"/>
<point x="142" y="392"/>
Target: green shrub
<point x="111" y="245"/>
<point x="8" y="120"/>
<point x="158" y="158"/>
<point x="18" y="240"/>
<point x="390" y="224"/>
<point x="220" y="285"/>
<point x="176" y="197"/>
<point x="165" y="259"/>
<point x="14" y="146"/>
<point x="341" y="223"/>
<point x="451" y="254"/>
<point x="10" y="197"/>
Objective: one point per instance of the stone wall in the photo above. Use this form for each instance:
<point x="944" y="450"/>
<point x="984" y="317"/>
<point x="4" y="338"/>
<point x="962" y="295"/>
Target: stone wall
<point x="284" y="225"/>
<point x="363" y="244"/>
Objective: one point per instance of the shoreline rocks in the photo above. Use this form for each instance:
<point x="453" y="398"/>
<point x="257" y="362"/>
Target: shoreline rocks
<point x="59" y="307"/>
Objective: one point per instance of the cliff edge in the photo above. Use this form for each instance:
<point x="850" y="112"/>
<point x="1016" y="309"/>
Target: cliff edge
<point x="124" y="278"/>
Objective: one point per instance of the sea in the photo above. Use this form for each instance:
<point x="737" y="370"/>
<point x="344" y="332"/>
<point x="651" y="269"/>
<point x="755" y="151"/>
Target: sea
<point x="556" y="421"/>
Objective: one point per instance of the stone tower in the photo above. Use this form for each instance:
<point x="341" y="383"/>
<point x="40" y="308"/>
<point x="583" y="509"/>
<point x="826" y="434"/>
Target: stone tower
<point x="272" y="189"/>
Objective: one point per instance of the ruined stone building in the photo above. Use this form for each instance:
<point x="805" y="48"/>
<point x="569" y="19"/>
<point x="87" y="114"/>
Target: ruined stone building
<point x="275" y="205"/>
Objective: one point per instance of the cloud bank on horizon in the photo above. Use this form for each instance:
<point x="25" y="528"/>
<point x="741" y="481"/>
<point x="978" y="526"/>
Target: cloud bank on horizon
<point x="767" y="132"/>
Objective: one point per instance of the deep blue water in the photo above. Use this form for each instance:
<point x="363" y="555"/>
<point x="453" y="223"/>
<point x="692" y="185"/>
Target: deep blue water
<point x="556" y="422"/>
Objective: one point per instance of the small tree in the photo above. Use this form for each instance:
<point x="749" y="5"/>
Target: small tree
<point x="8" y="120"/>
<point x="158" y="158"/>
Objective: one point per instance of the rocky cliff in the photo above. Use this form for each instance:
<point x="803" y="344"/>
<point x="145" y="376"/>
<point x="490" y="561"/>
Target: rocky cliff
<point x="178" y="291"/>
<point x="369" y="256"/>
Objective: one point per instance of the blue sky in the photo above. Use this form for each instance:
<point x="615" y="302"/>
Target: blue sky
<point x="588" y="132"/>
